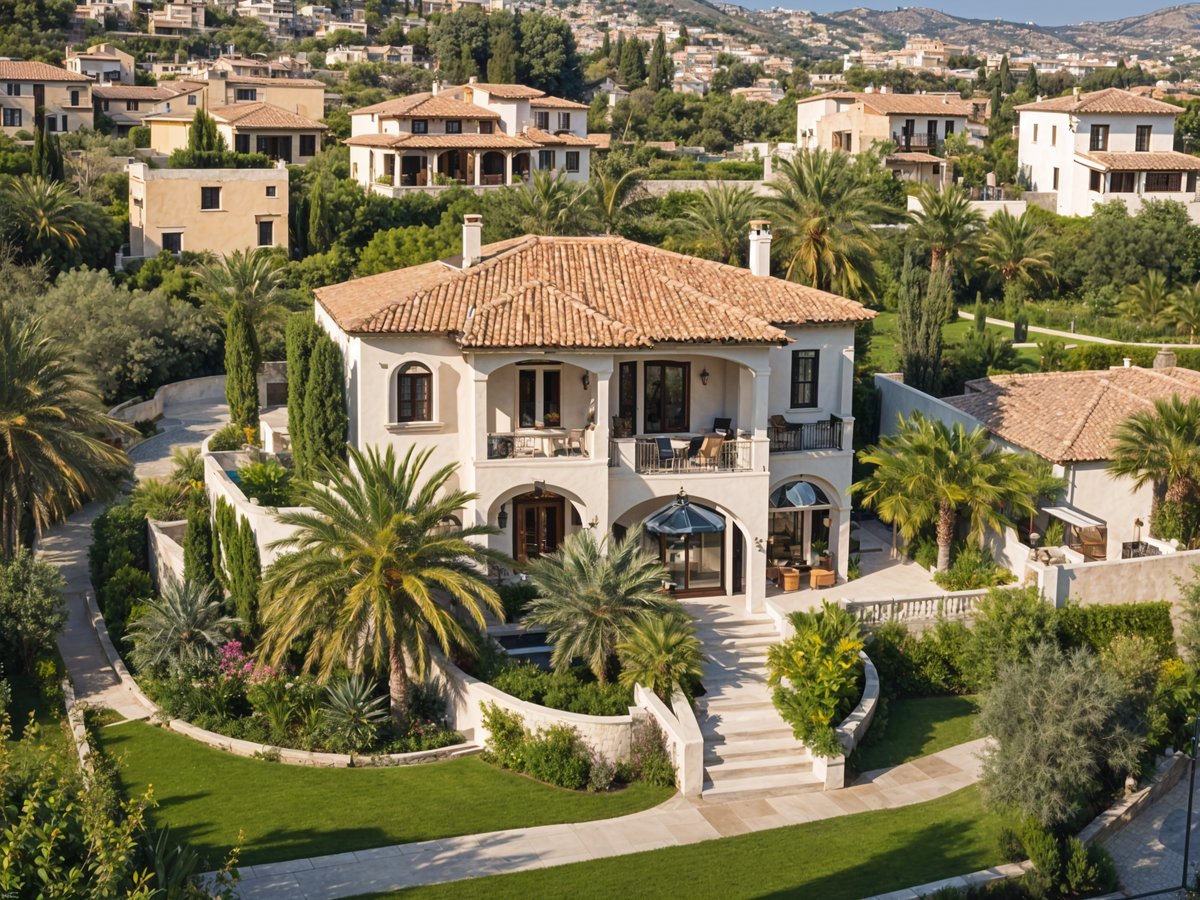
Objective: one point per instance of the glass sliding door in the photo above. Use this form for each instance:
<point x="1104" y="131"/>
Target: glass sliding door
<point x="665" y="397"/>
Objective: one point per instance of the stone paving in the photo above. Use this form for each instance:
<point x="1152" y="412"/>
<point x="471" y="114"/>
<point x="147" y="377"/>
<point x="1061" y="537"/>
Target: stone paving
<point x="1148" y="851"/>
<point x="66" y="546"/>
<point x="674" y="823"/>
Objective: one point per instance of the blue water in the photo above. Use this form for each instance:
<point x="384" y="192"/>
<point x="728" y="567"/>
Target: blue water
<point x="527" y="646"/>
<point x="234" y="476"/>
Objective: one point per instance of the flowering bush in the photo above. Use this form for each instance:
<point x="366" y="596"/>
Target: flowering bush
<point x="234" y="662"/>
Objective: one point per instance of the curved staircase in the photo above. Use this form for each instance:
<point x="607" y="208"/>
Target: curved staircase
<point x="748" y="748"/>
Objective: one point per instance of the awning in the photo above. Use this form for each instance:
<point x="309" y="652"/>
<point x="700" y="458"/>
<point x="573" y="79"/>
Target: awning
<point x="683" y="518"/>
<point x="797" y="495"/>
<point x="1072" y="516"/>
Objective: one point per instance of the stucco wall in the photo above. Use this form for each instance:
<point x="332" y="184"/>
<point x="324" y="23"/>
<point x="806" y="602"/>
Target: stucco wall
<point x="681" y="733"/>
<point x="1122" y="580"/>
<point x="267" y="528"/>
<point x="897" y="398"/>
<point x="209" y="387"/>
<point x="166" y="550"/>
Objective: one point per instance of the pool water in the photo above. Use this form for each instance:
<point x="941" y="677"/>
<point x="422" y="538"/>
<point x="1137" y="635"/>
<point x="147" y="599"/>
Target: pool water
<point x="527" y="646"/>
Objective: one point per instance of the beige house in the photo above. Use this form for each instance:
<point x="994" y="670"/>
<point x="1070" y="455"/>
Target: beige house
<point x="63" y="99"/>
<point x="854" y="121"/>
<point x="247" y="128"/>
<point x="302" y="96"/>
<point x="206" y="210"/>
<point x="178" y="17"/>
<point x="101" y="63"/>
<point x="127" y="105"/>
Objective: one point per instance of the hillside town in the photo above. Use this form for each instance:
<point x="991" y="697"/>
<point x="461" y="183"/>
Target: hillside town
<point x="471" y="448"/>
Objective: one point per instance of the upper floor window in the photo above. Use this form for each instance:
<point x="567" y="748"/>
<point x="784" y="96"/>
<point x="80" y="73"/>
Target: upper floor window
<point x="420" y="126"/>
<point x="1142" y="144"/>
<point x="414" y="394"/>
<point x="75" y="98"/>
<point x="805" y="368"/>
<point x="241" y="143"/>
<point x="241" y="94"/>
<point x="1053" y="135"/>
<point x="453" y="126"/>
<point x="541" y="119"/>
<point x="191" y="99"/>
<point x="13" y="89"/>
<point x="564" y="121"/>
<point x="131" y="105"/>
<point x="1099" y="140"/>
<point x="665" y="397"/>
<point x="487" y="127"/>
<point x="949" y="127"/>
<point x="266" y="233"/>
<point x="272" y="191"/>
<point x="539" y="404"/>
<point x="210" y="198"/>
<point x="308" y="145"/>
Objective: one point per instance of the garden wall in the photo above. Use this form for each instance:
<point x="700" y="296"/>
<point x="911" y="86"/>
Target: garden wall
<point x="681" y="731"/>
<point x="208" y="387"/>
<point x="897" y="398"/>
<point x="1122" y="580"/>
<point x="166" y="550"/>
<point x="267" y="528"/>
<point x="609" y="736"/>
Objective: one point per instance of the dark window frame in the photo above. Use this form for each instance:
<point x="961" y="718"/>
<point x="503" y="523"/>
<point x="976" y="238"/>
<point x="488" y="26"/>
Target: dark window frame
<point x="572" y="161"/>
<point x="420" y="126"/>
<point x="805" y="380"/>
<point x="1141" y="141"/>
<point x="1122" y="183"/>
<point x="206" y="195"/>
<point x="417" y="380"/>
<point x="1164" y="182"/>
<point x="172" y="237"/>
<point x="308" y="145"/>
<point x="667" y="424"/>
<point x="454" y="126"/>
<point x="270" y="224"/>
<point x="487" y="126"/>
<point x="1098" y="139"/>
<point x="541" y="119"/>
<point x="1096" y="182"/>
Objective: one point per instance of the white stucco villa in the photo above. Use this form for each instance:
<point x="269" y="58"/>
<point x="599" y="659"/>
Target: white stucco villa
<point x="1089" y="148"/>
<point x="588" y="381"/>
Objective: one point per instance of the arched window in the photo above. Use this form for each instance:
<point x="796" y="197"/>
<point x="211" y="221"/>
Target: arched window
<point x="414" y="394"/>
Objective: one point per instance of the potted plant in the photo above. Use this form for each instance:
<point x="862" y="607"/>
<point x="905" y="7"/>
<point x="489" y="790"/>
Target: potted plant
<point x="820" y="551"/>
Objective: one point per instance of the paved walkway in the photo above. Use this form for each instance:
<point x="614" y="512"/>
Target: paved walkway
<point x="1149" y="850"/>
<point x="66" y="546"/>
<point x="674" y="823"/>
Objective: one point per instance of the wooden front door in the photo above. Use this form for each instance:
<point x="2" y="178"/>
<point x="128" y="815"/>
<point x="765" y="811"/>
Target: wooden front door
<point x="539" y="525"/>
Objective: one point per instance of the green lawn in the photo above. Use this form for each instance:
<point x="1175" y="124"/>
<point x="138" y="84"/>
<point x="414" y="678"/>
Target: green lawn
<point x="916" y="727"/>
<point x="206" y="796"/>
<point x="885" y="342"/>
<point x="835" y="859"/>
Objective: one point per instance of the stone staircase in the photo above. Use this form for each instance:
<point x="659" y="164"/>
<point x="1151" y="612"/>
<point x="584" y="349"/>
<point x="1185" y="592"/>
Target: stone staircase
<point x="747" y="746"/>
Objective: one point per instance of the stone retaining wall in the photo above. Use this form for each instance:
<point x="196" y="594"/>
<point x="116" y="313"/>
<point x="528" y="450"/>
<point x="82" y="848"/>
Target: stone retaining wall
<point x="832" y="769"/>
<point x="1167" y="774"/>
<point x="166" y="550"/>
<point x="79" y="733"/>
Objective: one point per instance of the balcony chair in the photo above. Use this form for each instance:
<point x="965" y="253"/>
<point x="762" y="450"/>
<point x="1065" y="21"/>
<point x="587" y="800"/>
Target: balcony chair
<point x="525" y="445"/>
<point x="723" y="427"/>
<point x="575" y="442"/>
<point x="667" y="457"/>
<point x="709" y="454"/>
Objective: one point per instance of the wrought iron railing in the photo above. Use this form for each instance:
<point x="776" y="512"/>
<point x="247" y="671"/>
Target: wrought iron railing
<point x="823" y="435"/>
<point x="732" y="456"/>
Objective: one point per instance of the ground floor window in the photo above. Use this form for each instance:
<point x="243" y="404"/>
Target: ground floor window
<point x="1164" y="182"/>
<point x="172" y="241"/>
<point x="1122" y="182"/>
<point x="694" y="562"/>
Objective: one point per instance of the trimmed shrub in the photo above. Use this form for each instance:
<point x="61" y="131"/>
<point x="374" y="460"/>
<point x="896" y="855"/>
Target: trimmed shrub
<point x="973" y="568"/>
<point x="229" y="437"/>
<point x="267" y="482"/>
<point x="567" y="690"/>
<point x="126" y="587"/>
<point x="198" y="541"/>
<point x="118" y="539"/>
<point x="1096" y="626"/>
<point x="556" y="755"/>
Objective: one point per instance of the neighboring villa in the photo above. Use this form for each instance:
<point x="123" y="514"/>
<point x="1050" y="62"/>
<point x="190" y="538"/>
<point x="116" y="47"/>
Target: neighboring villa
<point x="178" y="17"/>
<point x="588" y="382"/>
<point x="213" y="210"/>
<point x="127" y="105"/>
<point x="102" y="63"/>
<point x="1090" y="148"/>
<point x="916" y="124"/>
<point x="33" y="93"/>
<point x="247" y="128"/>
<point x="1068" y="419"/>
<point x="486" y="135"/>
<point x="301" y="96"/>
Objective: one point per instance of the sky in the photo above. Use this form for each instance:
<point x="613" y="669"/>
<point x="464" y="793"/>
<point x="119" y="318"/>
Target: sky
<point x="1058" y="12"/>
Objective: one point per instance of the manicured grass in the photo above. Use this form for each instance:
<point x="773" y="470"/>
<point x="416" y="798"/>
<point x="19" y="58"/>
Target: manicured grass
<point x="835" y="859"/>
<point x="916" y="727"/>
<point x="885" y="342"/>
<point x="205" y="796"/>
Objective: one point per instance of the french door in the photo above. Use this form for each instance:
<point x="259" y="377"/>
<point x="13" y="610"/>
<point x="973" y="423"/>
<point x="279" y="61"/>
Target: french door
<point x="539" y="526"/>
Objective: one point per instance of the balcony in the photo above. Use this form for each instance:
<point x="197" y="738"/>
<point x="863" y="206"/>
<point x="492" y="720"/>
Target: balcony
<point x="682" y="454"/>
<point x="909" y="142"/>
<point x="792" y="437"/>
<point x="547" y="443"/>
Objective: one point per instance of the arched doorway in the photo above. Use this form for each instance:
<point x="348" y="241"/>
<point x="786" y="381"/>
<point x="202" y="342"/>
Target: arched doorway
<point x="452" y="164"/>
<point x="690" y="542"/>
<point x="799" y="525"/>
<point x="492" y="171"/>
<point x="520" y="167"/>
<point x="539" y="520"/>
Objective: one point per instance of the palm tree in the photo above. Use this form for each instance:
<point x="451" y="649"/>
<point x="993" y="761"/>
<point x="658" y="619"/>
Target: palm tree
<point x="1147" y="299"/>
<point x="183" y="626"/>
<point x="946" y="225"/>
<point x="373" y="559"/>
<point x="663" y="654"/>
<point x="548" y="204"/>
<point x="51" y="459"/>
<point x="1183" y="309"/>
<point x="823" y="214"/>
<point x="252" y="279"/>
<point x="160" y="499"/>
<point x="1161" y="446"/>
<point x="1015" y="248"/>
<point x="612" y="194"/>
<point x="41" y="214"/>
<point x="926" y="473"/>
<point x="716" y="221"/>
<point x="591" y="593"/>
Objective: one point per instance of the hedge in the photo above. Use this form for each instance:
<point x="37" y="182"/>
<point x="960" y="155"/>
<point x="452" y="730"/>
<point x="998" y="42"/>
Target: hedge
<point x="1104" y="356"/>
<point x="1096" y="626"/>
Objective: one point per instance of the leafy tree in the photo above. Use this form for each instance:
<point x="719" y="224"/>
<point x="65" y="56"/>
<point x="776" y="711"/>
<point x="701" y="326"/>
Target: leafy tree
<point x="183" y="626"/>
<point x="1147" y="299"/>
<point x="591" y="593"/>
<point x="717" y="220"/>
<point x="367" y="556"/>
<point x="502" y="65"/>
<point x="241" y="368"/>
<point x="301" y="335"/>
<point x="663" y="654"/>
<point x="549" y="204"/>
<point x="51" y="461"/>
<point x="325" y="419"/>
<point x="1059" y="734"/>
<point x="946" y="225"/>
<point x="198" y="564"/>
<point x="823" y="215"/>
<point x="926" y="472"/>
<point x="1183" y="310"/>
<point x="1016" y="248"/>
<point x="1008" y="624"/>
<point x="31" y="608"/>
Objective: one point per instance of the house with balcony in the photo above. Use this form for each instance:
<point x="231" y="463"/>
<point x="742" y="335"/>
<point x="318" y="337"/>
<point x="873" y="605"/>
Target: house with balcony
<point x="1089" y="148"/>
<point x="591" y="382"/>
<point x="178" y="17"/>
<point x="37" y="94"/>
<point x="854" y="121"/>
<point x="246" y="127"/>
<point x="102" y="63"/>
<point x="484" y="135"/>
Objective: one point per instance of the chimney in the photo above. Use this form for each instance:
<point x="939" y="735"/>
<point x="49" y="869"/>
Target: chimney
<point x="474" y="79"/>
<point x="1075" y="92"/>
<point x="760" y="247"/>
<point x="472" y="239"/>
<point x="1165" y="359"/>
<point x="435" y="87"/>
<point x="1127" y="362"/>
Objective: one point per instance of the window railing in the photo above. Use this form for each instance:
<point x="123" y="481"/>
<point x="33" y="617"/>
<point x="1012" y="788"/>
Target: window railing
<point x="732" y="456"/>
<point x="798" y="437"/>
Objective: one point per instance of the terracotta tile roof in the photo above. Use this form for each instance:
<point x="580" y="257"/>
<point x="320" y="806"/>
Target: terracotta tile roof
<point x="1109" y="100"/>
<point x="427" y="106"/>
<point x="601" y="292"/>
<point x="14" y="70"/>
<point x="548" y="138"/>
<point x="502" y="91"/>
<point x="442" y="141"/>
<point x="601" y="140"/>
<point x="914" y="157"/>
<point x="263" y="115"/>
<point x="1156" y="161"/>
<point x="549" y="102"/>
<point x="890" y="104"/>
<point x="1069" y="416"/>
<point x="136" y="92"/>
<point x="271" y="82"/>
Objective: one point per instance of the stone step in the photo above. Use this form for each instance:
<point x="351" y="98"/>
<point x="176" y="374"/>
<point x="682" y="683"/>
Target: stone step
<point x="731" y="735"/>
<point x="761" y="749"/>
<point x="791" y="783"/>
<point x="734" y="702"/>
<point x="775" y="761"/>
<point x="764" y="711"/>
<point x="741" y="630"/>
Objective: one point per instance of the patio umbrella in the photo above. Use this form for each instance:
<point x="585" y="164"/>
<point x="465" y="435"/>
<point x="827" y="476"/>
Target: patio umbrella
<point x="683" y="518"/>
<point x="798" y="495"/>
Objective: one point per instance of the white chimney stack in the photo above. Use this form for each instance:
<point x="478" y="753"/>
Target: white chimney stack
<point x="472" y="240"/>
<point x="760" y="247"/>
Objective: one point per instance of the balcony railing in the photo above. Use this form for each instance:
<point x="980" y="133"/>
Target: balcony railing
<point x="918" y="141"/>
<point x="732" y="456"/>
<point x="823" y="435"/>
<point x="551" y="443"/>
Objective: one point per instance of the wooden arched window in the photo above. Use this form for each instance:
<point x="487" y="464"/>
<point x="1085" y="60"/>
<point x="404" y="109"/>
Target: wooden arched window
<point x="414" y="394"/>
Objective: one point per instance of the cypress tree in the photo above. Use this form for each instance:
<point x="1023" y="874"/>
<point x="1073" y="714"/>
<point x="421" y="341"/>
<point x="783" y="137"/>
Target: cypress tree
<point x="1031" y="81"/>
<point x="324" y="404"/>
<point x="1005" y="77"/>
<point x="320" y="228"/>
<point x="980" y="320"/>
<point x="301" y="333"/>
<point x="606" y="47"/>
<point x="632" y="69"/>
<point x="203" y="136"/>
<point x="661" y="71"/>
<point x="683" y="36"/>
<point x="922" y="313"/>
<point x="47" y="162"/>
<point x="502" y="66"/>
<point x="198" y="542"/>
<point x="241" y="368"/>
<point x="246" y="596"/>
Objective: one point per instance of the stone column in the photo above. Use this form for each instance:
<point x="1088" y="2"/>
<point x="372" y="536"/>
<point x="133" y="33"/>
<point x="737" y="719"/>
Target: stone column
<point x="602" y="381"/>
<point x="477" y="160"/>
<point x="508" y="166"/>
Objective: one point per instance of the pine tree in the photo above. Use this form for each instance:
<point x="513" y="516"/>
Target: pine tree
<point x="632" y="69"/>
<point x="241" y="368"/>
<point x="502" y="65"/>
<point x="198" y="542"/>
<point x="324" y="404"/>
<point x="662" y="70"/>
<point x="320" y="228"/>
<point x="301" y="334"/>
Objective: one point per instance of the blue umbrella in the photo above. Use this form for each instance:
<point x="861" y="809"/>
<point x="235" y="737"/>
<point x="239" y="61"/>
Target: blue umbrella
<point x="798" y="495"/>
<point x="683" y="518"/>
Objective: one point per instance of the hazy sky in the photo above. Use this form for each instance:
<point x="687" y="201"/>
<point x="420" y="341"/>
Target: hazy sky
<point x="1058" y="12"/>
